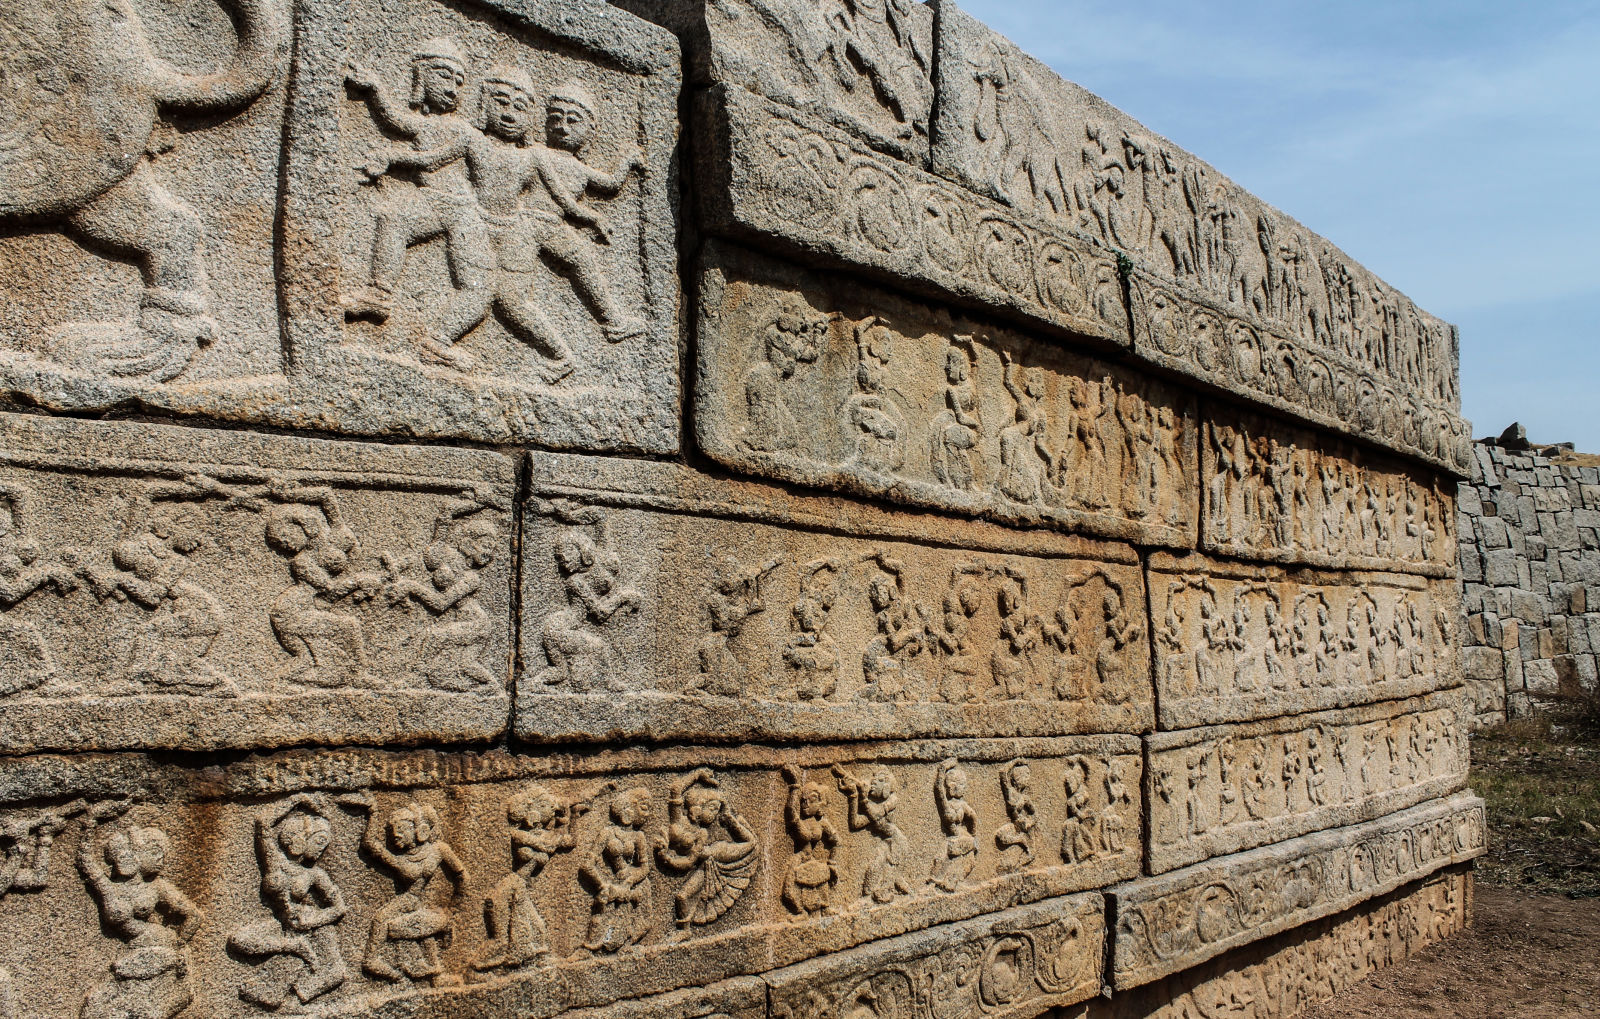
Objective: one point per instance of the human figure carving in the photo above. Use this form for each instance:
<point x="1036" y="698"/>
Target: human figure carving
<point x="327" y="648"/>
<point x="710" y="843"/>
<point x="306" y="903"/>
<point x="1196" y="821"/>
<point x="617" y="874"/>
<point x="874" y="42"/>
<point x="874" y="423"/>
<point x="410" y="930"/>
<point x="1026" y="461"/>
<point x="812" y="655"/>
<point x="795" y="336"/>
<point x="1015" y="837"/>
<point x="1113" y="827"/>
<point x="955" y="641"/>
<point x="1012" y="662"/>
<point x="733" y="597"/>
<point x="466" y="540"/>
<point x="144" y="910"/>
<point x="960" y="823"/>
<point x="25" y="659"/>
<point x="25" y="844"/>
<point x="541" y="826"/>
<point x="902" y="635"/>
<point x="811" y="878"/>
<point x="1080" y="837"/>
<point x="576" y="640"/>
<point x="871" y="808"/>
<point x="97" y="181"/>
<point x="955" y="430"/>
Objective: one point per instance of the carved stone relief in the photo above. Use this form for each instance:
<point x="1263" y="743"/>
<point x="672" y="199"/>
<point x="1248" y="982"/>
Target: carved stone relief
<point x="362" y="882"/>
<point x="1170" y="923"/>
<point x="171" y="588"/>
<point x="820" y="382"/>
<point x="1235" y="642"/>
<point x="660" y="605"/>
<point x="1281" y="978"/>
<point x="1290" y="317"/>
<point x="436" y="230"/>
<point x="1285" y="494"/>
<point x="1229" y="788"/>
<point x="774" y="174"/>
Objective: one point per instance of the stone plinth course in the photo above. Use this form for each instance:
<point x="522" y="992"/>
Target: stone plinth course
<point x="756" y="509"/>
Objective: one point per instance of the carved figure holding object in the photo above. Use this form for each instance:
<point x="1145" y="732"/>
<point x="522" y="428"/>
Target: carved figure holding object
<point x="575" y="640"/>
<point x="810" y="880"/>
<point x="713" y="844"/>
<point x="617" y="875"/>
<point x="871" y="808"/>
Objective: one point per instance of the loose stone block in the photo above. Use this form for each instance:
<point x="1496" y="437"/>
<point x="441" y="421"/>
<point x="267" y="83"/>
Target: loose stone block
<point x="1224" y="288"/>
<point x="775" y="177"/>
<point x="1226" y="789"/>
<point x="1236" y="642"/>
<point x="819" y="381"/>
<point x="1167" y="924"/>
<point x="1287" y="495"/>
<point x="1014" y="965"/>
<point x="661" y="604"/>
<point x="499" y="885"/>
<point x="1282" y="977"/>
<point x="380" y="217"/>
<point x="198" y="590"/>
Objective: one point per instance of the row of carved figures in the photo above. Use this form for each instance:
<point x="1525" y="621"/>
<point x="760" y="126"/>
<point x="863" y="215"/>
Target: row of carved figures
<point x="1269" y="494"/>
<point x="1116" y="451"/>
<point x="1243" y="781"/>
<point x="1299" y="645"/>
<point x="296" y="952"/>
<point x="1076" y="652"/>
<point x="151" y="566"/>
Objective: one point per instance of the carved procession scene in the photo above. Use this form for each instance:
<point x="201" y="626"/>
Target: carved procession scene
<point x="730" y="509"/>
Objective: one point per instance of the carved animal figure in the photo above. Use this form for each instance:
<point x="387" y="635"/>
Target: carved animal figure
<point x="81" y="95"/>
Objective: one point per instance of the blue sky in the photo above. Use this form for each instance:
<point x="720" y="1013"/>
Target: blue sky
<point x="1451" y="146"/>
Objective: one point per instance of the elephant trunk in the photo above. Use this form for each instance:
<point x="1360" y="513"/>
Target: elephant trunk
<point x="264" y="32"/>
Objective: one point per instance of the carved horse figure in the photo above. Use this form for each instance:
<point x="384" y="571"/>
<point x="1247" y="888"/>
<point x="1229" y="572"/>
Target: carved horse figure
<point x="81" y="95"/>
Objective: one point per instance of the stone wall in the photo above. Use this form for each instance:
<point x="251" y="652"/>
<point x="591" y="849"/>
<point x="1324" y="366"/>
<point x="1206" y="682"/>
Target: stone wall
<point x="757" y="509"/>
<point x="1530" y="574"/>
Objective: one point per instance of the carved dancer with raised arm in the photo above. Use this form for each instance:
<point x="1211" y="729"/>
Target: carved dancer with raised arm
<point x="407" y="933"/>
<point x="1015" y="837"/>
<point x="960" y="823"/>
<point x="712" y="844"/>
<point x="872" y="806"/>
<point x="812" y="876"/>
<point x="25" y="659"/>
<point x="578" y="650"/>
<point x="147" y="912"/>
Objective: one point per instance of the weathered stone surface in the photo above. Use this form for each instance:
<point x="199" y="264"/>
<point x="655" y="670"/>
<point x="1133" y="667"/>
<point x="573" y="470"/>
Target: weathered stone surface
<point x="1236" y="642"/>
<point x="772" y="175"/>
<point x="1282" y="977"/>
<point x="665" y="605"/>
<point x="497" y="885"/>
<point x="1226" y="789"/>
<point x="524" y="275"/>
<point x="819" y="381"/>
<point x="1167" y="924"/>
<point x="185" y="589"/>
<point x="1014" y="965"/>
<point x="1289" y="495"/>
<point x="1224" y="288"/>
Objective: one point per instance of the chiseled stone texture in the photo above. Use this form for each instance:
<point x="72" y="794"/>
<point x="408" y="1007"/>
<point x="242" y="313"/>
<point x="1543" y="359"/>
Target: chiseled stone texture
<point x="185" y="589"/>
<point x="1229" y="788"/>
<point x="500" y="885"/>
<point x="1286" y="494"/>
<point x="1530" y="572"/>
<point x="821" y="381"/>
<point x="435" y="219"/>
<point x="1282" y="977"/>
<point x="661" y="604"/>
<point x="1237" y="642"/>
<point x="1170" y="923"/>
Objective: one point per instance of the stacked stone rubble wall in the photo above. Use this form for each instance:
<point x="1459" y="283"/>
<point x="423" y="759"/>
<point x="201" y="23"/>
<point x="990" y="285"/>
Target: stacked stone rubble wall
<point x="754" y="509"/>
<point x="1530" y="579"/>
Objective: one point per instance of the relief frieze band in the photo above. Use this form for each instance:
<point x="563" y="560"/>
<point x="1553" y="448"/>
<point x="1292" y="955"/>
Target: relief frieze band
<point x="178" y="589"/>
<point x="344" y="883"/>
<point x="819" y="381"/>
<point x="1228" y="788"/>
<point x="1236" y="642"/>
<point x="1285" y="494"/>
<point x="1167" y="924"/>
<point x="660" y="604"/>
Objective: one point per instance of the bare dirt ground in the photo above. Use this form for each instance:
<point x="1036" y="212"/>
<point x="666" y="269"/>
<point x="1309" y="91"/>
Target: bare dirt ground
<point x="1533" y="951"/>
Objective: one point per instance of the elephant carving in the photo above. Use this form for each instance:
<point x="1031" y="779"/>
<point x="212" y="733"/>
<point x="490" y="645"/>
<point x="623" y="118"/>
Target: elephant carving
<point x="81" y="97"/>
